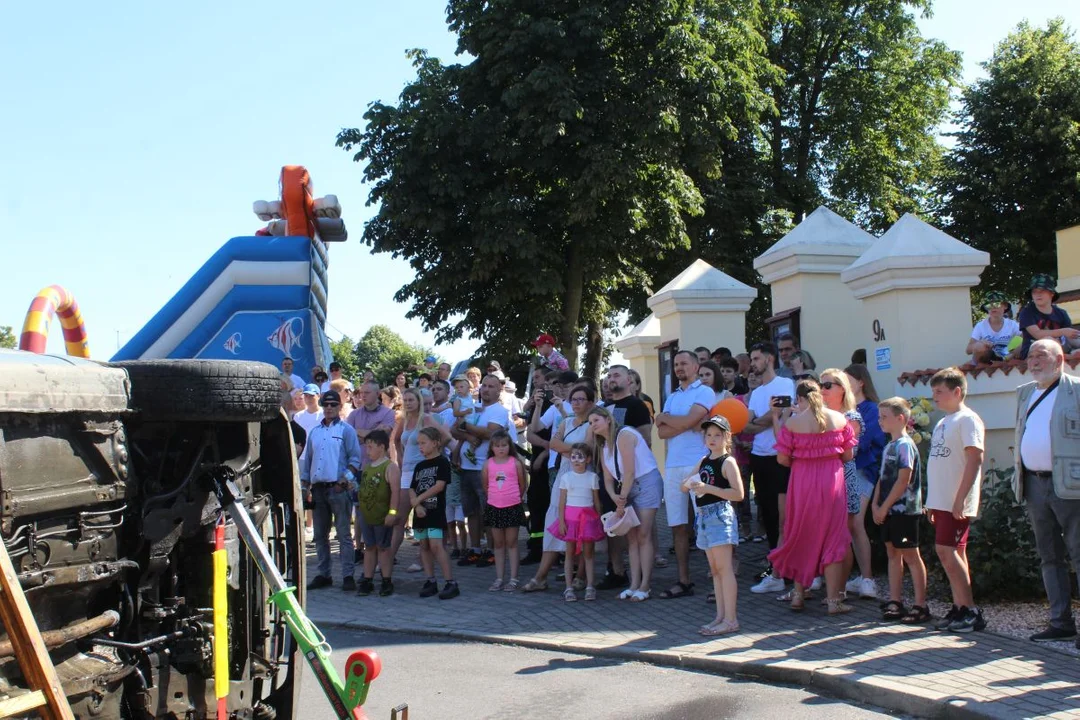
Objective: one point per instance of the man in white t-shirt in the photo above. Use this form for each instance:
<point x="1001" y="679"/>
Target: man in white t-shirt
<point x="287" y="370"/>
<point x="312" y="414"/>
<point x="770" y="477"/>
<point x="953" y="481"/>
<point x="479" y="426"/>
<point x="991" y="336"/>
<point x="680" y="424"/>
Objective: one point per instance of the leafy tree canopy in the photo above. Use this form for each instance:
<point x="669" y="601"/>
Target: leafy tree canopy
<point x="1013" y="177"/>
<point x="344" y="352"/>
<point x="7" y="337"/>
<point x="385" y="353"/>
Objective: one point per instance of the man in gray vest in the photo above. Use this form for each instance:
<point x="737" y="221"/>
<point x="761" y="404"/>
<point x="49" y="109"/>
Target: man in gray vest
<point x="1047" y="476"/>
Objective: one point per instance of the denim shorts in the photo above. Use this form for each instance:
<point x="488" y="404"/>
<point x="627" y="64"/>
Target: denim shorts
<point x="647" y="491"/>
<point x="867" y="483"/>
<point x="717" y="525"/>
<point x="376" y="536"/>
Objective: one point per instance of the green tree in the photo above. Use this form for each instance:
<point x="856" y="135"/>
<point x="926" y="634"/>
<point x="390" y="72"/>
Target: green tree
<point x="7" y="337"/>
<point x="859" y="98"/>
<point x="1013" y="177"/>
<point x="385" y="353"/>
<point x="531" y="186"/>
<point x="344" y="352"/>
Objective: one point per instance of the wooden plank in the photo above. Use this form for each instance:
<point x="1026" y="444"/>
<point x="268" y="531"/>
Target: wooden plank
<point x="30" y="649"/>
<point x="21" y="703"/>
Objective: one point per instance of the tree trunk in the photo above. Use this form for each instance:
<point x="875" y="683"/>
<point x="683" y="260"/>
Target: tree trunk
<point x="594" y="350"/>
<point x="572" y="302"/>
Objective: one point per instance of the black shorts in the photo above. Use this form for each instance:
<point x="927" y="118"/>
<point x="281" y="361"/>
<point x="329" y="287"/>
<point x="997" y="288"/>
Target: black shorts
<point x="901" y="531"/>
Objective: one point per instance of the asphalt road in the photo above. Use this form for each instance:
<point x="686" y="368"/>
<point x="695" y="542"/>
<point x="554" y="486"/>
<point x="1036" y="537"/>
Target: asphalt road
<point x="444" y="680"/>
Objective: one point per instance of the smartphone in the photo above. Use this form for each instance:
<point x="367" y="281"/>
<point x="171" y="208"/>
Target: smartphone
<point x="781" y="401"/>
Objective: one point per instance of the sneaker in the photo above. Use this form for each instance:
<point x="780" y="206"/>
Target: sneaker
<point x="1053" y="634"/>
<point x="816" y="585"/>
<point x="980" y="622"/>
<point x="965" y="622"/>
<point x="759" y="538"/>
<point x="415" y="567"/>
<point x="468" y="558"/>
<point x="430" y="588"/>
<point x="853" y="585"/>
<point x="948" y="618"/>
<point x="613" y="581"/>
<point x="766" y="573"/>
<point x="450" y="590"/>
<point x="348" y="585"/>
<point x="318" y="582"/>
<point x="365" y="587"/>
<point x="769" y="584"/>
<point x="867" y="589"/>
<point x="386" y="588"/>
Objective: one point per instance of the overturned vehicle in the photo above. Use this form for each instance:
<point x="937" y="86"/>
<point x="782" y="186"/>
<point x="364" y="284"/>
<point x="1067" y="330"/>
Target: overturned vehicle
<point x="107" y="476"/>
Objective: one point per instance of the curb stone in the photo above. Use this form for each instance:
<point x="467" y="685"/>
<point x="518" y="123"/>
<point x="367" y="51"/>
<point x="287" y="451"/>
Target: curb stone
<point x="825" y="679"/>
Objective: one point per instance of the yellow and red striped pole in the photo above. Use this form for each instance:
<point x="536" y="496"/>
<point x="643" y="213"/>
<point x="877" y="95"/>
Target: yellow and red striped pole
<point x="221" y="621"/>
<point x="54" y="300"/>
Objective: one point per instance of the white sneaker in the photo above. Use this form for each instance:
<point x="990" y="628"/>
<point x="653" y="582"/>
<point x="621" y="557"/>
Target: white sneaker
<point x="868" y="589"/>
<point x="414" y="568"/>
<point x="853" y="586"/>
<point x="309" y="535"/>
<point x="769" y="585"/>
<point x="816" y="585"/>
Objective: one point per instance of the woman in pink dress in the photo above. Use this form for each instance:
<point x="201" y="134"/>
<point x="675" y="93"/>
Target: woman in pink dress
<point x="815" y="442"/>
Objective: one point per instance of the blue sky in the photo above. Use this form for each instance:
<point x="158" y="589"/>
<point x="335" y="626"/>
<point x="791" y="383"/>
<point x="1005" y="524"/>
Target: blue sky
<point x="136" y="135"/>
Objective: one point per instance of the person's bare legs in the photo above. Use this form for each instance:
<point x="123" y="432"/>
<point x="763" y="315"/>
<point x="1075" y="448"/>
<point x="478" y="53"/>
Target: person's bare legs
<point x="834" y="580"/>
<point x="568" y="564"/>
<point x="370" y="558"/>
<point x="781" y="504"/>
<point x="510" y="547"/>
<point x="443" y="558"/>
<point x="616" y="546"/>
<point x="646" y="549"/>
<point x="860" y="540"/>
<point x="680" y="538"/>
<point x="896" y="573"/>
<point x="404" y="507"/>
<point x="915" y="566"/>
<point x="427" y="560"/>
<point x="954" y="561"/>
<point x="386" y="563"/>
<point x="632" y="538"/>
<point x="547" y="561"/>
<point x="587" y="555"/>
<point x="500" y="553"/>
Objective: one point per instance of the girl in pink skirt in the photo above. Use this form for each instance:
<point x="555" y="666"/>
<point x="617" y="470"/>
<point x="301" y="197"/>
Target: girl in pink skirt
<point x="579" y="518"/>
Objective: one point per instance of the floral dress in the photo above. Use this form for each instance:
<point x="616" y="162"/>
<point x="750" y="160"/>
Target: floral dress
<point x="851" y="474"/>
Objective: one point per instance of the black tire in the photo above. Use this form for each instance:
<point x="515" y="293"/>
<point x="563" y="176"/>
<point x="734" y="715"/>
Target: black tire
<point x="204" y="390"/>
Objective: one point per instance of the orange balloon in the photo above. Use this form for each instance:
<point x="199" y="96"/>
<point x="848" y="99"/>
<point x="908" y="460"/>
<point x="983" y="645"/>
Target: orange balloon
<point x="736" y="413"/>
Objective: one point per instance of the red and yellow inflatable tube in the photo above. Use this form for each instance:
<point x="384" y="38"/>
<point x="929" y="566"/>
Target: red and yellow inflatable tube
<point x="54" y="300"/>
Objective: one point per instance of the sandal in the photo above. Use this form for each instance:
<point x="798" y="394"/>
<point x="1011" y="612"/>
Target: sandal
<point x="568" y="595"/>
<point x="590" y="593"/>
<point x="534" y="585"/>
<point x="685" y="589"/>
<point x="512" y="586"/>
<point x="917" y="615"/>
<point x="892" y="611"/>
<point x="640" y="595"/>
<point x="837" y="606"/>
<point x="496" y="586"/>
<point x="723" y="628"/>
<point x="786" y="597"/>
<point x="798" y="600"/>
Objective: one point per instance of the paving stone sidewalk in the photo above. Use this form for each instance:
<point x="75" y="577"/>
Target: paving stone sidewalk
<point x="911" y="670"/>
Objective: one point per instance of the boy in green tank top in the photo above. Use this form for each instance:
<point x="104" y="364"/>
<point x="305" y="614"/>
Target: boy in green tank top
<point x="377" y="499"/>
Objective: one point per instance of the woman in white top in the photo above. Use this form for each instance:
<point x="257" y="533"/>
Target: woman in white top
<point x="572" y="429"/>
<point x="631" y="478"/>
<point x="709" y="374"/>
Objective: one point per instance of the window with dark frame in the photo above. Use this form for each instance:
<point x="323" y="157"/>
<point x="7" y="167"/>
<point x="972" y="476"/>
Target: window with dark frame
<point x="666" y="358"/>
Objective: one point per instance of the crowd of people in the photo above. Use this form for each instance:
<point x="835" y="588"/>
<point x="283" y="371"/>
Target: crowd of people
<point x="461" y="464"/>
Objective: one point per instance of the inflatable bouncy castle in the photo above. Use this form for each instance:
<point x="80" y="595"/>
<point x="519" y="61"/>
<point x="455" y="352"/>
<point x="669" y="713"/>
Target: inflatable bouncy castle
<point x="257" y="298"/>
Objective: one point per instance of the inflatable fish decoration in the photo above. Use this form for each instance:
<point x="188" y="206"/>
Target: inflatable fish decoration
<point x="287" y="336"/>
<point x="232" y="345"/>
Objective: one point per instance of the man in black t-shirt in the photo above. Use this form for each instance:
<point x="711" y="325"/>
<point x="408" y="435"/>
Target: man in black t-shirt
<point x="1041" y="319"/>
<point x="539" y="493"/>
<point x="630" y="411"/>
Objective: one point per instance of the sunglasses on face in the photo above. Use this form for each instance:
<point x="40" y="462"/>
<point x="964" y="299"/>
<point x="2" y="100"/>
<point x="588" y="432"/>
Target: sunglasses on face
<point x="828" y="385"/>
